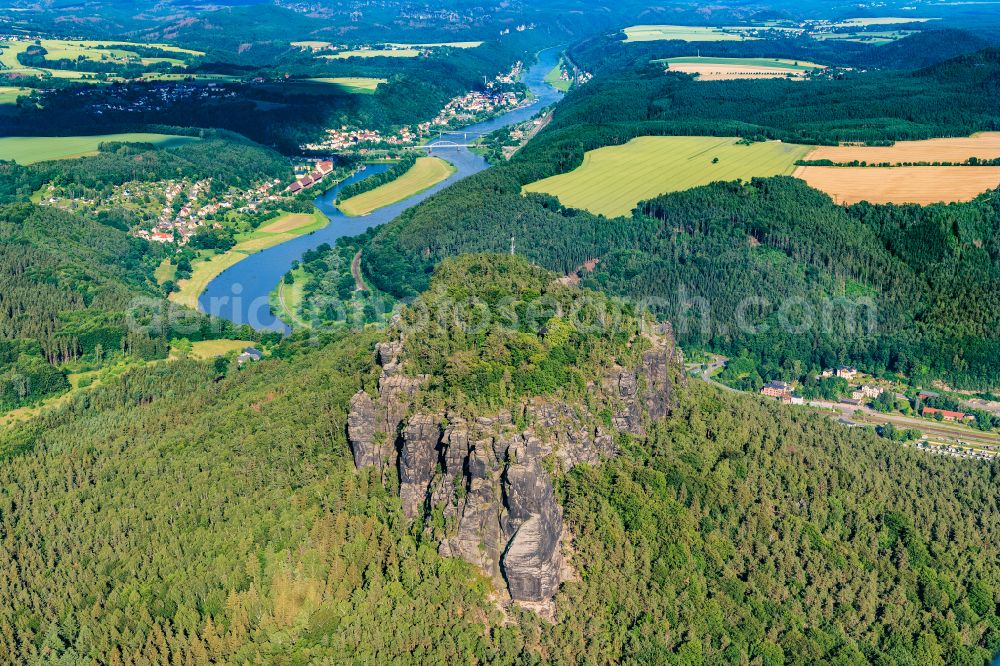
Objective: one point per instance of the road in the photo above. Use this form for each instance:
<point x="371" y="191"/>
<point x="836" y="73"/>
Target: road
<point x="951" y="433"/>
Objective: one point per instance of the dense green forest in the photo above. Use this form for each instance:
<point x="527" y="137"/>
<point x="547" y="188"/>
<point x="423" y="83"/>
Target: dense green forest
<point x="235" y="528"/>
<point x="929" y="273"/>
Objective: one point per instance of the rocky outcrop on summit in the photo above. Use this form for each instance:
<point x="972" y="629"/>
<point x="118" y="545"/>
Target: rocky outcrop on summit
<point x="486" y="475"/>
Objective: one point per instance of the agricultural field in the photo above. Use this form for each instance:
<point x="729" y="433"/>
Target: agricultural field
<point x="612" y="180"/>
<point x="984" y="145"/>
<point x="280" y="230"/>
<point x="308" y="45"/>
<point x="880" y="20"/>
<point x="95" y="51"/>
<point x="31" y="149"/>
<point x="162" y="76"/>
<point x="684" y="33"/>
<point x="360" y="85"/>
<point x="706" y="68"/>
<point x="9" y="94"/>
<point x="427" y="172"/>
<point x="873" y="37"/>
<point x="437" y="45"/>
<point x="899" y="185"/>
<point x="374" y="53"/>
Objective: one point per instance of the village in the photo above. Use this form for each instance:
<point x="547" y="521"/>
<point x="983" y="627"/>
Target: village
<point x="173" y="211"/>
<point x="464" y="109"/>
<point x="957" y="427"/>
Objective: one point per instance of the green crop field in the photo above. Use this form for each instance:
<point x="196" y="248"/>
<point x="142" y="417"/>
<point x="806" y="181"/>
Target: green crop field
<point x="612" y="180"/>
<point x="31" y="149"/>
<point x="427" y="172"/>
<point x="685" y="33"/>
<point x="9" y="94"/>
<point x="781" y="63"/>
<point x="360" y="85"/>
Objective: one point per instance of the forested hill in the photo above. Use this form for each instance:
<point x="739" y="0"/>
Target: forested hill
<point x="182" y="514"/>
<point x="727" y="243"/>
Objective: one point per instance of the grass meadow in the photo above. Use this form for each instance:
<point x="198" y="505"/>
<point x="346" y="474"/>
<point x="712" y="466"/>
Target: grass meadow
<point x="427" y="172"/>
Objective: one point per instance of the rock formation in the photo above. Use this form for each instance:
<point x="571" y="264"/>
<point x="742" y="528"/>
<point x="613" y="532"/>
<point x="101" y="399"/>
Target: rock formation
<point x="486" y="475"/>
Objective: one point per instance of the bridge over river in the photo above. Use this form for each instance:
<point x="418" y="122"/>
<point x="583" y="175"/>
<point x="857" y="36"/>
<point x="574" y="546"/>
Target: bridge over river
<point x="240" y="293"/>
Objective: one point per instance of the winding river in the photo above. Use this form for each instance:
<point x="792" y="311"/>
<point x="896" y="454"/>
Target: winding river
<point x="240" y="293"/>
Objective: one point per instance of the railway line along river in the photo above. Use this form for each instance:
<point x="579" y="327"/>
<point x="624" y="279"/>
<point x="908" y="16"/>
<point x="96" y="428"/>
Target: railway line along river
<point x="240" y="293"/>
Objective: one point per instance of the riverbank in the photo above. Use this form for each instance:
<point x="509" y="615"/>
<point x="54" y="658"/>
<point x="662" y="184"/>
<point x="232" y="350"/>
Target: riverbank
<point x="256" y="277"/>
<point x="280" y="230"/>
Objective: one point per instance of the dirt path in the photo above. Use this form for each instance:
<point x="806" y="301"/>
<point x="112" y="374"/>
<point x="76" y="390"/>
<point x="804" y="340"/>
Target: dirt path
<point x="359" y="281"/>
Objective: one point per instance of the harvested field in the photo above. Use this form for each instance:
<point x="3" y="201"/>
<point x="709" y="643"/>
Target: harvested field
<point x="918" y="185"/>
<point x="685" y="33"/>
<point x="722" y="69"/>
<point x="985" y="145"/>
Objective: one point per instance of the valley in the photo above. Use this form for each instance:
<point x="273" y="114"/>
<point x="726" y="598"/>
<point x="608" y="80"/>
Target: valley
<point x="503" y="333"/>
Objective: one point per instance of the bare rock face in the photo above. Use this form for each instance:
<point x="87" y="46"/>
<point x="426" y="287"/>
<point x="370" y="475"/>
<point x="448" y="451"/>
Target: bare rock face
<point x="417" y="460"/>
<point x="486" y="474"/>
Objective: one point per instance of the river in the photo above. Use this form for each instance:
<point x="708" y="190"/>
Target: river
<point x="240" y="293"/>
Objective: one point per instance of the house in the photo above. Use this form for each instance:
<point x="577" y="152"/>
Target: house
<point x="947" y="415"/>
<point x="847" y="372"/>
<point x="250" y="354"/>
<point x="780" y="390"/>
<point x="868" y="392"/>
<point x="325" y="167"/>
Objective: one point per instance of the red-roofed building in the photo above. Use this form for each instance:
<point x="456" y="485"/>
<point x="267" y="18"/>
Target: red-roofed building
<point x="946" y="414"/>
<point x="325" y="167"/>
<point x="295" y="187"/>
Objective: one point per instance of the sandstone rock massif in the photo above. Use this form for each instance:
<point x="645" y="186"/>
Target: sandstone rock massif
<point x="482" y="483"/>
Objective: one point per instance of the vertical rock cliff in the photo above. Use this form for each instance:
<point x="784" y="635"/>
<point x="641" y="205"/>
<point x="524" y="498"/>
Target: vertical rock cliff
<point x="482" y="483"/>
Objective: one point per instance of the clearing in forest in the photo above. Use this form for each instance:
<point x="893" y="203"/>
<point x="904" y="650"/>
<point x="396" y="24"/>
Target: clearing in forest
<point x="207" y="349"/>
<point x="612" y="180"/>
<point x="984" y="146"/>
<point x="360" y="85"/>
<point x="32" y="149"/>
<point x="426" y="173"/>
<point x="684" y="33"/>
<point x="899" y="185"/>
<point x="707" y="68"/>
